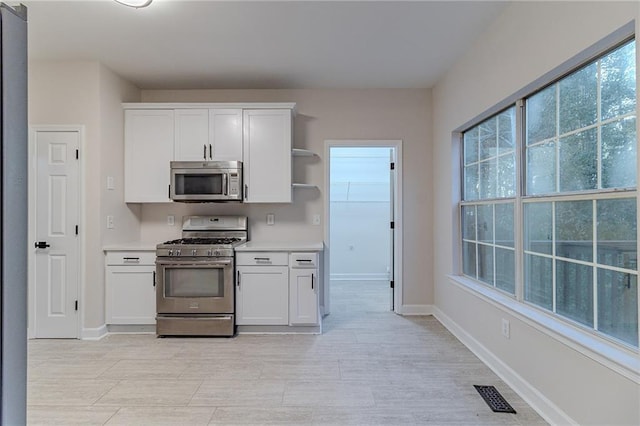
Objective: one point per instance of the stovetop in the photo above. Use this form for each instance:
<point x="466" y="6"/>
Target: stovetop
<point x="206" y="236"/>
<point x="204" y="240"/>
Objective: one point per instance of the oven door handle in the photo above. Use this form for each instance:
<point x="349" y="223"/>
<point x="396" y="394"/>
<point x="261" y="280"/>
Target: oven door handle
<point x="201" y="264"/>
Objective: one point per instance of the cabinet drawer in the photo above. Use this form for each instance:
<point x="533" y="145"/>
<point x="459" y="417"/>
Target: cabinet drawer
<point x="262" y="258"/>
<point x="131" y="258"/>
<point x="304" y="260"/>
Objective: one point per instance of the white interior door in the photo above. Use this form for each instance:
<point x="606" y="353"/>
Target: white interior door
<point x="56" y="241"/>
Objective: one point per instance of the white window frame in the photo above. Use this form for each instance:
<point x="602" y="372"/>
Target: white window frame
<point x="618" y="356"/>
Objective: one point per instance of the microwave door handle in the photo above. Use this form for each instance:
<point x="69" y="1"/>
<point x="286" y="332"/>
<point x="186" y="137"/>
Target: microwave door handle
<point x="225" y="184"/>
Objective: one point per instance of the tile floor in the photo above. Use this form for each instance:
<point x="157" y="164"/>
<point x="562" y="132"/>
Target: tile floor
<point x="369" y="367"/>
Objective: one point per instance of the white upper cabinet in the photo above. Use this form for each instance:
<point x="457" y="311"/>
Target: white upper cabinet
<point x="192" y="135"/>
<point x="148" y="136"/>
<point x="225" y="134"/>
<point x="267" y="155"/>
<point x="259" y="134"/>
<point x="208" y="134"/>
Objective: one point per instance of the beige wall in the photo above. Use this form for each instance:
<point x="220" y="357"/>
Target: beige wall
<point x="113" y="91"/>
<point x="528" y="40"/>
<point x="88" y="94"/>
<point x="323" y="115"/>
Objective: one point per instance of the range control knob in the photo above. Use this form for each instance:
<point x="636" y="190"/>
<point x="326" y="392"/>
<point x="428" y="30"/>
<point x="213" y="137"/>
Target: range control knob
<point x="178" y="252"/>
<point x="170" y="252"/>
<point x="210" y="252"/>
<point x="194" y="252"/>
<point x="216" y="253"/>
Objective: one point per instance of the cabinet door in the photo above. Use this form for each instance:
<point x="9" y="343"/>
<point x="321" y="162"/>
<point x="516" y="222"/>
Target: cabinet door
<point x="267" y="155"/>
<point x="262" y="295"/>
<point x="131" y="295"/>
<point x="148" y="139"/>
<point x="192" y="135"/>
<point x="225" y="134"/>
<point x="303" y="297"/>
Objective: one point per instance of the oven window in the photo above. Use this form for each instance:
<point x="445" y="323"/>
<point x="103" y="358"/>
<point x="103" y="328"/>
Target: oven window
<point x="198" y="184"/>
<point x="194" y="282"/>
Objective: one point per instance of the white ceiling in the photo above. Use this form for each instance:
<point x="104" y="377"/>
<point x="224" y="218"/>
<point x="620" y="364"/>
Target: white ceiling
<point x="179" y="44"/>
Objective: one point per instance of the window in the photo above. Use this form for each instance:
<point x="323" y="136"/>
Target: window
<point x="489" y="189"/>
<point x="576" y="200"/>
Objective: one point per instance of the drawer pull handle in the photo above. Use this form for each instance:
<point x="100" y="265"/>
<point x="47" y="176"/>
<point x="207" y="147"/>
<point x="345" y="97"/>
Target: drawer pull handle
<point x="304" y="260"/>
<point x="131" y="259"/>
<point x="311" y="281"/>
<point x="262" y="259"/>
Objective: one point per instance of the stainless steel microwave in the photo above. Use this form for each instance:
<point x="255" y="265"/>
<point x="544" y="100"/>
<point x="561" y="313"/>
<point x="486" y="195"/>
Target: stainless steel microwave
<point x="206" y="181"/>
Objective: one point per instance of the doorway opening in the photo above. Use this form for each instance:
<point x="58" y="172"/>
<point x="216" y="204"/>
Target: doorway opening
<point x="363" y="233"/>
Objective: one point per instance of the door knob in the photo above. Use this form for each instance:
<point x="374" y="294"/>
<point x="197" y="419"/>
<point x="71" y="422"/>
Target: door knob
<point x="42" y="244"/>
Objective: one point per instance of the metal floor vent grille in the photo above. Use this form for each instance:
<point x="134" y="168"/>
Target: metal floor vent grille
<point x="494" y="400"/>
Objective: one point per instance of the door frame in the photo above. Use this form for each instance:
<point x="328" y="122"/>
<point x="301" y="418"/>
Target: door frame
<point x="33" y="168"/>
<point x="398" y="225"/>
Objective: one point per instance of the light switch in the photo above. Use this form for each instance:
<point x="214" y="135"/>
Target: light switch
<point x="110" y="183"/>
<point x="271" y="219"/>
<point x="171" y="220"/>
<point x="110" y="222"/>
<point x="316" y="219"/>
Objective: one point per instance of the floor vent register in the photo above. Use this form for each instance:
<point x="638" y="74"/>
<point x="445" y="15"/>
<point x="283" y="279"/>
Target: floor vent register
<point x="494" y="400"/>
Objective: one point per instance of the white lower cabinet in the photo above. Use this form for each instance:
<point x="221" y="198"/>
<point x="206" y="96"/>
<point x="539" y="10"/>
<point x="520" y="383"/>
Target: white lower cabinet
<point x="262" y="289"/>
<point x="303" y="289"/>
<point x="277" y="288"/>
<point x="303" y="297"/>
<point x="130" y="288"/>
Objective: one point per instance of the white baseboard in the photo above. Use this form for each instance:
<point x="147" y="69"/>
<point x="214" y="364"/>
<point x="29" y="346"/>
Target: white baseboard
<point x="541" y="404"/>
<point x="416" y="310"/>
<point x="94" y="333"/>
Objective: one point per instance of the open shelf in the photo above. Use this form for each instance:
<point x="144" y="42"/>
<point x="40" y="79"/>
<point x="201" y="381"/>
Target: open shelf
<point x="304" y="185"/>
<point x="302" y="153"/>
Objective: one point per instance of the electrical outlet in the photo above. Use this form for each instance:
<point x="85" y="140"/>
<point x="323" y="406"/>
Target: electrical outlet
<point x="316" y="219"/>
<point x="110" y="222"/>
<point x="171" y="220"/>
<point x="506" y="328"/>
<point x="271" y="219"/>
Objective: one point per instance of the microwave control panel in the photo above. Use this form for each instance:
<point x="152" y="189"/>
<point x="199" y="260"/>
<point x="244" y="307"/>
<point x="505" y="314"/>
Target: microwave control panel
<point x="234" y="183"/>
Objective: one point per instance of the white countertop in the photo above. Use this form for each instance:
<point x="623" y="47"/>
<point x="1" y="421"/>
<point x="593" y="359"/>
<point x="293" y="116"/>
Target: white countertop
<point x="248" y="246"/>
<point x="280" y="246"/>
<point x="135" y="246"/>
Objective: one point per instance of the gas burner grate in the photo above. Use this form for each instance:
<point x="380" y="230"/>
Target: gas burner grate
<point x="494" y="400"/>
<point x="204" y="241"/>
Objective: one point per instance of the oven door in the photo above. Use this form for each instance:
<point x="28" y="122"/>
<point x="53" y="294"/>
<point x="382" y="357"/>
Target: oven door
<point x="195" y="286"/>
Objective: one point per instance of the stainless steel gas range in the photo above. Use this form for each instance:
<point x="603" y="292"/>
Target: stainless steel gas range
<point x="195" y="277"/>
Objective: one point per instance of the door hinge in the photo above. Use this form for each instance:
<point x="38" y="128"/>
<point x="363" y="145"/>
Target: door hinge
<point x="393" y="166"/>
<point x="76" y="305"/>
<point x="393" y="225"/>
<point x="77" y="154"/>
<point x="76" y="229"/>
<point x="392" y="284"/>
